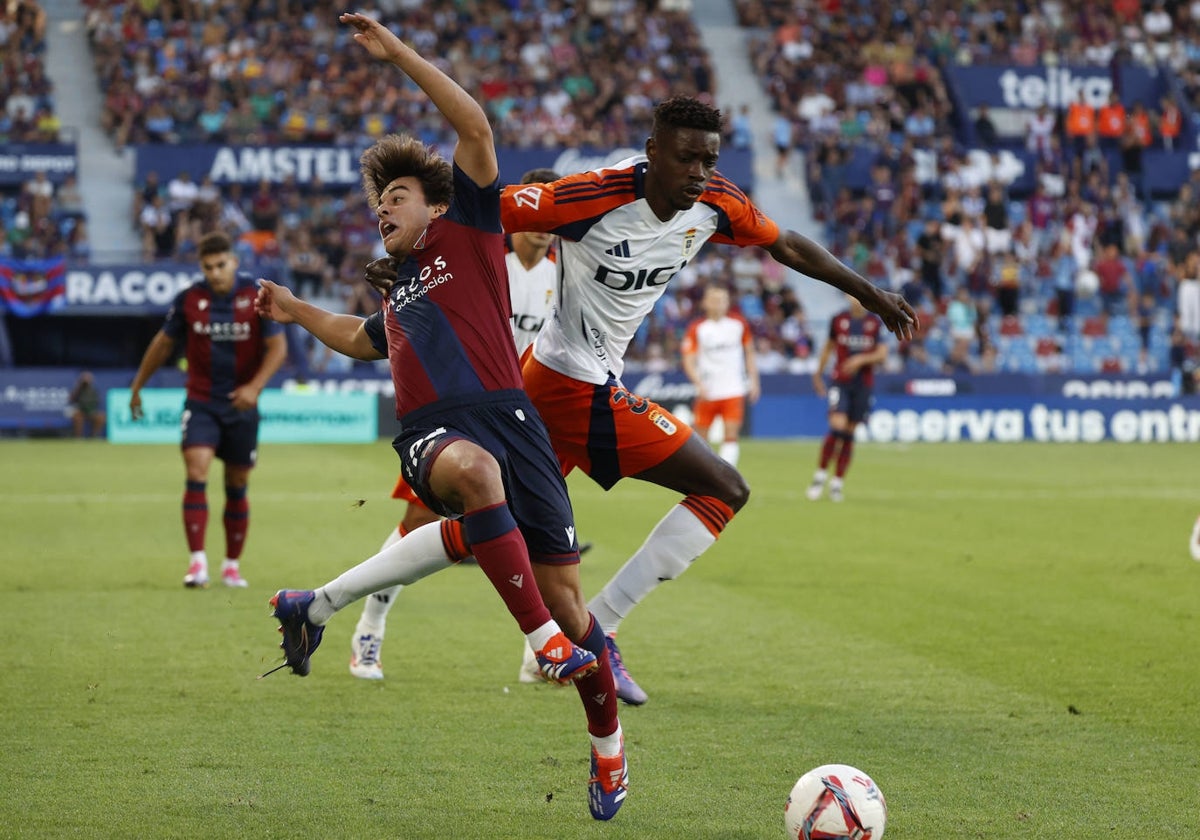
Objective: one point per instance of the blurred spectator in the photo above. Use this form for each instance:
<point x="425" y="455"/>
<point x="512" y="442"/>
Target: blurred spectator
<point x="1170" y="123"/>
<point x="985" y="129"/>
<point x="1188" y="298"/>
<point x="741" y="134"/>
<point x="85" y="407"/>
<point x="157" y="229"/>
<point x="1115" y="283"/>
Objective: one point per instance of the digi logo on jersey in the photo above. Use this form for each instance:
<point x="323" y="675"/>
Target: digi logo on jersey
<point x="631" y="281"/>
<point x="528" y="323"/>
<point x="223" y="331"/>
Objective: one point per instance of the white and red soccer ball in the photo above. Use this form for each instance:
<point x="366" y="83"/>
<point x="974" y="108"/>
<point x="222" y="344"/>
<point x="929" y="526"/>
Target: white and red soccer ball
<point x="835" y="802"/>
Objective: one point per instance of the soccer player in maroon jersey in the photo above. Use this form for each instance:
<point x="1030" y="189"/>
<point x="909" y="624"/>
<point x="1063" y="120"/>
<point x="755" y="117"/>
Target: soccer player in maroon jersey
<point x="854" y="338"/>
<point x="231" y="354"/>
<point x="471" y="444"/>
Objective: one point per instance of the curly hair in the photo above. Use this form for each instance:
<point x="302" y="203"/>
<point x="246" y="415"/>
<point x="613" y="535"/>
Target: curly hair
<point x="396" y="156"/>
<point x="685" y="112"/>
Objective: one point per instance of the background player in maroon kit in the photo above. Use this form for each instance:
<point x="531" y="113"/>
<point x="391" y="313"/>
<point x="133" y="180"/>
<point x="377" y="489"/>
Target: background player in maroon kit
<point x="854" y="339"/>
<point x="231" y="354"/>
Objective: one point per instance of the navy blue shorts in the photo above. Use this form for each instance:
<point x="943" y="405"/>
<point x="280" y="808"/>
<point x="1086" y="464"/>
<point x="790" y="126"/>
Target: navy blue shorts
<point x="852" y="399"/>
<point x="232" y="433"/>
<point x="505" y="424"/>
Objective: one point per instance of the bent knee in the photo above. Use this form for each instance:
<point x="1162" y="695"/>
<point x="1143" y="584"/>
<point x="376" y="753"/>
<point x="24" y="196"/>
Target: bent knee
<point x="735" y="491"/>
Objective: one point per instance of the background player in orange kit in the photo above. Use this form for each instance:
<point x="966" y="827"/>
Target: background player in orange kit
<point x="718" y="357"/>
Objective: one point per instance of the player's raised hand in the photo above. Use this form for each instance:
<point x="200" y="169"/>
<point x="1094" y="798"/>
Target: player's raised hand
<point x="135" y="405"/>
<point x="274" y="301"/>
<point x="896" y="314"/>
<point x="381" y="274"/>
<point x="378" y="40"/>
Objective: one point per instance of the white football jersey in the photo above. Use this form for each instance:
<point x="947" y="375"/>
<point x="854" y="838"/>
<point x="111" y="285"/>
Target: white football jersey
<point x="720" y="350"/>
<point x="616" y="256"/>
<point x="532" y="294"/>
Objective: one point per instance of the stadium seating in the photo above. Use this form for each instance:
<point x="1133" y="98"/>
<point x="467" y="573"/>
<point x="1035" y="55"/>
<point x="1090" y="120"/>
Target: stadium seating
<point x="851" y="78"/>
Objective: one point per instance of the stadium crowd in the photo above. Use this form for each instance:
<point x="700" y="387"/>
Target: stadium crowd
<point x="1082" y="273"/>
<point x="1045" y="289"/>
<point x="38" y="218"/>
<point x="242" y="71"/>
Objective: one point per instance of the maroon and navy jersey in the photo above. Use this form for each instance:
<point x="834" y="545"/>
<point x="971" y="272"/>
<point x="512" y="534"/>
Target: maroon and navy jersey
<point x="445" y="323"/>
<point x="223" y="337"/>
<point x="852" y="336"/>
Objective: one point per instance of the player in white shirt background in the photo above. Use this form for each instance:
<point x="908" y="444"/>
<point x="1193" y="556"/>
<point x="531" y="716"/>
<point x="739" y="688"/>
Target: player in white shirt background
<point x="718" y="357"/>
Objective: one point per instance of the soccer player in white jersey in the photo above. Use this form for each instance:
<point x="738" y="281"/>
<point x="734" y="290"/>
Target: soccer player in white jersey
<point x="718" y="357"/>
<point x="532" y="278"/>
<point x="624" y="231"/>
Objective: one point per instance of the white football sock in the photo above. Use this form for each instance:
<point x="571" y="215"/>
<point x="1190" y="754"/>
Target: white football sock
<point x="609" y="745"/>
<point x="199" y="557"/>
<point x="419" y="554"/>
<point x="375" y="608"/>
<point x="677" y="540"/>
<point x="729" y="451"/>
<point x="538" y="638"/>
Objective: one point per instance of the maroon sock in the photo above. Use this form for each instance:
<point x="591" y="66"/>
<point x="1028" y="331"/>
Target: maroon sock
<point x="598" y="690"/>
<point x="195" y="515"/>
<point x="843" y="461"/>
<point x="500" y="551"/>
<point x="237" y="521"/>
<point x="827" y="450"/>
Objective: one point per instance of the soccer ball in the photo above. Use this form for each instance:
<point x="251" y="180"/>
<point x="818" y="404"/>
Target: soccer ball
<point x="835" y="802"/>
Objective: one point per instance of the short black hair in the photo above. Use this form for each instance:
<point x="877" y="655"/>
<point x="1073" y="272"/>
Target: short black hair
<point x="686" y="112"/>
<point x="540" y="176"/>
<point x="214" y="243"/>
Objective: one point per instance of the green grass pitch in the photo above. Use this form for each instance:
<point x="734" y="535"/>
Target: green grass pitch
<point x="1004" y="636"/>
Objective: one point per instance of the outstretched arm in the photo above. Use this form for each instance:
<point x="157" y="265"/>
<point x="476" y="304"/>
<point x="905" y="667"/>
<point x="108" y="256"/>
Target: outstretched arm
<point x="346" y="334"/>
<point x="801" y="254"/>
<point x="476" y="150"/>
